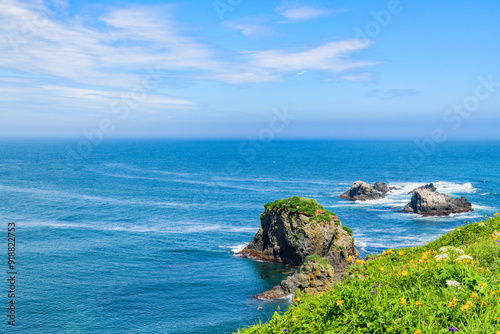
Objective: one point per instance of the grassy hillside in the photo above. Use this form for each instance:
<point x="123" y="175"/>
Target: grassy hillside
<point x="449" y="285"/>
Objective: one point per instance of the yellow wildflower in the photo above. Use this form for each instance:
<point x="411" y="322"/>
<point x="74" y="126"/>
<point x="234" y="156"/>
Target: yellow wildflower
<point x="404" y="273"/>
<point x="401" y="253"/>
<point x="259" y="308"/>
<point x="418" y="331"/>
<point x="340" y="302"/>
<point x="361" y="262"/>
<point x="484" y="303"/>
<point x="418" y="303"/>
<point x="382" y="268"/>
<point x="450" y="304"/>
<point x="467" y="305"/>
<point x="403" y="301"/>
<point x="474" y="295"/>
<point x="483" y="285"/>
<point x="349" y="259"/>
<point x="389" y="251"/>
<point x="455" y="300"/>
<point x="492" y="292"/>
<point x="383" y="253"/>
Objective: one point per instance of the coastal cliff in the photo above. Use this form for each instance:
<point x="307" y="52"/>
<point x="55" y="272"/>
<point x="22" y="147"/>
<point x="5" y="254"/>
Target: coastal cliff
<point x="300" y="232"/>
<point x="294" y="228"/>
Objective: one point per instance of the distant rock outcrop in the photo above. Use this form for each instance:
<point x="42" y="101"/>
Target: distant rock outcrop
<point x="294" y="228"/>
<point x="426" y="201"/>
<point x="429" y="186"/>
<point x="362" y="191"/>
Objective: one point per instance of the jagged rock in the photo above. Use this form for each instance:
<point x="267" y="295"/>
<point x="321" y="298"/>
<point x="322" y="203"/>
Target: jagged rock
<point x="295" y="228"/>
<point x="426" y="201"/>
<point x="312" y="278"/>
<point x="429" y="186"/>
<point x="362" y="191"/>
<point x="381" y="186"/>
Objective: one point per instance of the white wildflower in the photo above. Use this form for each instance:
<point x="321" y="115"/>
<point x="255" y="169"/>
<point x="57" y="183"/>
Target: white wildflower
<point x="453" y="283"/>
<point x="442" y="257"/>
<point x="464" y="257"/>
<point x="448" y="249"/>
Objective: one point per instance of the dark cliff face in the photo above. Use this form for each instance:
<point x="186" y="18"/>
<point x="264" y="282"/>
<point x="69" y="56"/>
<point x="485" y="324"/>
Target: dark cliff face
<point x="289" y="238"/>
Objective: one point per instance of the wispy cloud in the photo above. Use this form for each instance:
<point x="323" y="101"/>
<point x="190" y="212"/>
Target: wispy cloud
<point x="389" y="94"/>
<point x="360" y="77"/>
<point x="295" y="12"/>
<point x="132" y="39"/>
<point x="251" y="26"/>
<point x="327" y="57"/>
<point x="70" y="60"/>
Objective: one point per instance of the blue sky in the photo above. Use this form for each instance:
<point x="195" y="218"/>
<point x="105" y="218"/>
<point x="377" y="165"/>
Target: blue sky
<point x="222" y="69"/>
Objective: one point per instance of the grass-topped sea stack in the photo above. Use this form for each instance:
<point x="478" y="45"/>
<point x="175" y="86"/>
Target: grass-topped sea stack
<point x="293" y="229"/>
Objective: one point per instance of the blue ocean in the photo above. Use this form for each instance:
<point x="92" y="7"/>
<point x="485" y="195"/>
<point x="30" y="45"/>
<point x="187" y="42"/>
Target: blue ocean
<point x="140" y="236"/>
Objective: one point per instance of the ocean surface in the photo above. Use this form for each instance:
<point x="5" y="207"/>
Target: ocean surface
<point x="140" y="236"/>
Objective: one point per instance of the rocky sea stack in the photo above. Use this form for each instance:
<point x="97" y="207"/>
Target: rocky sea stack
<point x="362" y="191"/>
<point x="294" y="229"/>
<point x="427" y="201"/>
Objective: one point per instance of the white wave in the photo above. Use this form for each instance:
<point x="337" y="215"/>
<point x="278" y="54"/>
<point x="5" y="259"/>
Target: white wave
<point x="443" y="187"/>
<point x="142" y="170"/>
<point x="243" y="229"/>
<point x="63" y="196"/>
<point x="482" y="207"/>
<point x="235" y="248"/>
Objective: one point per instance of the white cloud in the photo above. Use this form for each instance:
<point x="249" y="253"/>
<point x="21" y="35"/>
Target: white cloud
<point x="70" y="60"/>
<point x="360" y="77"/>
<point x="252" y="26"/>
<point x="250" y="29"/>
<point x="295" y="12"/>
<point x="332" y="57"/>
<point x="134" y="39"/>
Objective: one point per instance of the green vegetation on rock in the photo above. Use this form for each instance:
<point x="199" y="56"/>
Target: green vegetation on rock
<point x="307" y="206"/>
<point x="317" y="259"/>
<point x="449" y="285"/>
<point x="347" y="229"/>
<point x="303" y="205"/>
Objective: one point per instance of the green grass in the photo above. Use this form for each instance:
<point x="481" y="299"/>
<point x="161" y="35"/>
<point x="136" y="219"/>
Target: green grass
<point x="318" y="259"/>
<point x="347" y="229"/>
<point x="306" y="206"/>
<point x="405" y="291"/>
